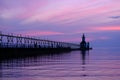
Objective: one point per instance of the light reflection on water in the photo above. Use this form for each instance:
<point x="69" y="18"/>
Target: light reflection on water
<point x="97" y="64"/>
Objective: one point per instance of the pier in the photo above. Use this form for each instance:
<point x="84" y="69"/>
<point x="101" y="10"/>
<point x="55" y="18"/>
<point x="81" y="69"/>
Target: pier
<point x="19" y="41"/>
<point x="12" y="46"/>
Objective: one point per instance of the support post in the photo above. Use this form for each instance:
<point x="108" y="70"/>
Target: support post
<point x="19" y="41"/>
<point x="26" y="42"/>
<point x="10" y="40"/>
<point x="0" y="39"/>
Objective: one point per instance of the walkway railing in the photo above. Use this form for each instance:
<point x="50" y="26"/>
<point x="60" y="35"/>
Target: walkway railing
<point x="19" y="41"/>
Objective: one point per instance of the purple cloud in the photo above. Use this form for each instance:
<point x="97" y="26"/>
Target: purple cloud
<point x="115" y="17"/>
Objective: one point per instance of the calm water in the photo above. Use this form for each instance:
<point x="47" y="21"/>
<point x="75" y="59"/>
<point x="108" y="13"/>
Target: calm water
<point x="98" y="64"/>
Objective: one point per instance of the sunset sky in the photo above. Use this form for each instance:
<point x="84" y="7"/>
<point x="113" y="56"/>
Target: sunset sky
<point x="63" y="20"/>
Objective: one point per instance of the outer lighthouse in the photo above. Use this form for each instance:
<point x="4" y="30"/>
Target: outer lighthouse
<point x="83" y="44"/>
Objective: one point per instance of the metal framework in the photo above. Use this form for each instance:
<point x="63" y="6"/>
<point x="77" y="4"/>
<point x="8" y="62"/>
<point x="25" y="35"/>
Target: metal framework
<point x="18" y="41"/>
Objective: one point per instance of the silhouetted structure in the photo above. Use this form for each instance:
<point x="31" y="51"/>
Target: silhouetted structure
<point x="84" y="45"/>
<point x="19" y="41"/>
<point x="18" y="45"/>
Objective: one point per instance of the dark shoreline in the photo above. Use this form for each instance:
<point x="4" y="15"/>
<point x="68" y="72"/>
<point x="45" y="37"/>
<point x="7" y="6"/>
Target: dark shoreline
<point x="6" y="53"/>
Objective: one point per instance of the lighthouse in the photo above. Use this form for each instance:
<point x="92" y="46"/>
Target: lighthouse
<point x="83" y="44"/>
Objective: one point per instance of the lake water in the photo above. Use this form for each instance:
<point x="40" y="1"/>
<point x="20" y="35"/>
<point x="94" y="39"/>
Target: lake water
<point x="97" y="64"/>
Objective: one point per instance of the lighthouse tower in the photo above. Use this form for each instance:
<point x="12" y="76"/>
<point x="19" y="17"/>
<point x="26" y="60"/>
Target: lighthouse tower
<point x="83" y="43"/>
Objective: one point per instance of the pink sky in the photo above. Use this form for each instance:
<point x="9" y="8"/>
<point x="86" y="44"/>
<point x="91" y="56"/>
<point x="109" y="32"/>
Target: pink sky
<point x="65" y="19"/>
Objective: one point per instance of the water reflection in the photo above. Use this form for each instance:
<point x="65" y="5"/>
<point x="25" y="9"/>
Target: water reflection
<point x="84" y="57"/>
<point x="59" y="64"/>
<point x="84" y="54"/>
<point x="42" y="59"/>
<point x="63" y="66"/>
